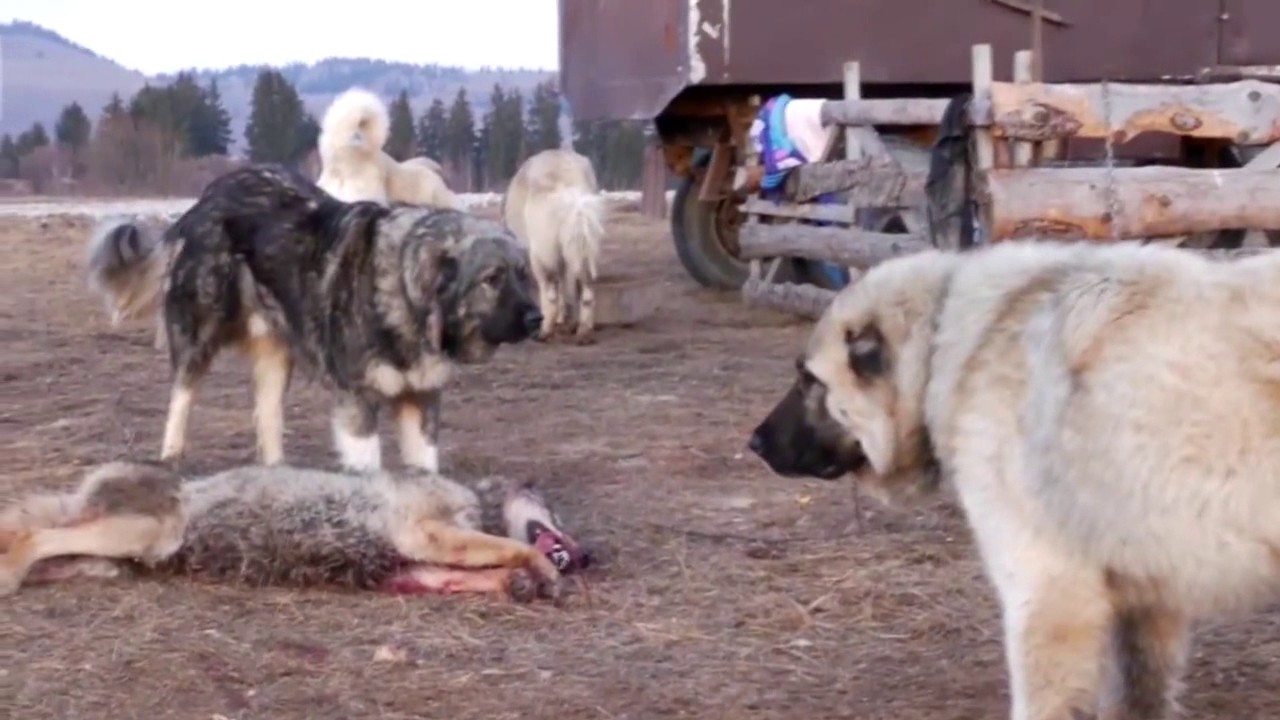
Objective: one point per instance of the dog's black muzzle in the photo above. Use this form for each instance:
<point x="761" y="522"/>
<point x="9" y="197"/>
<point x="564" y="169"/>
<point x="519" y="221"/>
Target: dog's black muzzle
<point x="793" y="447"/>
<point x="532" y="320"/>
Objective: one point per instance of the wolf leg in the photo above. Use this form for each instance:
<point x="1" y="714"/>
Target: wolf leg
<point x="418" y="419"/>
<point x="1150" y="646"/>
<point x="271" y="369"/>
<point x="355" y="433"/>
<point x="432" y="580"/>
<point x="433" y="541"/>
<point x="113" y="536"/>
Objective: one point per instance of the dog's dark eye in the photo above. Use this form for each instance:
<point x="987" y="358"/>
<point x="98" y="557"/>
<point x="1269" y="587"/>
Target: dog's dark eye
<point x="866" y="352"/>
<point x="494" y="279"/>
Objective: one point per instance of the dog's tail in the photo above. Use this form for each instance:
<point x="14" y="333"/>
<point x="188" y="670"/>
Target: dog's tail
<point x="356" y="120"/>
<point x="947" y="188"/>
<point x="579" y="229"/>
<point x="126" y="267"/>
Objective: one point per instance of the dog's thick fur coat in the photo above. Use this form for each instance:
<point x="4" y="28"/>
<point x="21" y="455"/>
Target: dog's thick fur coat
<point x="377" y="301"/>
<point x="553" y="205"/>
<point x="1110" y="419"/>
<point x="353" y="165"/>
<point x="277" y="526"/>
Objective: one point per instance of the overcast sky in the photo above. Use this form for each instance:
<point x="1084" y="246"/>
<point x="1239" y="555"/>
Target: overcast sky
<point x="157" y="36"/>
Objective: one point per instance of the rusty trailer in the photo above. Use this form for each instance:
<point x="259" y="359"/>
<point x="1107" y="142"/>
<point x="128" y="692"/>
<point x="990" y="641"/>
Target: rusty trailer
<point x="698" y="69"/>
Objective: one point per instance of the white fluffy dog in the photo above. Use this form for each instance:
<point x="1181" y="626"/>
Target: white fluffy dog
<point x="553" y="205"/>
<point x="355" y="167"/>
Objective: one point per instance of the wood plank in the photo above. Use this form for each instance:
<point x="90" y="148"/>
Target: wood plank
<point x="808" y="211"/>
<point x="896" y="111"/>
<point x="869" y="182"/>
<point x="850" y="247"/>
<point x="1156" y="201"/>
<point x="807" y="301"/>
<point x="1246" y="112"/>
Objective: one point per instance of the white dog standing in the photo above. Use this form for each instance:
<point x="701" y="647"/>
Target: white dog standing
<point x="354" y="166"/>
<point x="554" y="206"/>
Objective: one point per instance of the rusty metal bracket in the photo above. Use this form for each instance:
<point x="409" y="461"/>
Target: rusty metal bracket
<point x="1030" y="9"/>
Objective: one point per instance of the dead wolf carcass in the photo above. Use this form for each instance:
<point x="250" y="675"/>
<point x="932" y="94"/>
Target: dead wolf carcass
<point x="380" y="301"/>
<point x="286" y="526"/>
<point x="553" y="205"/>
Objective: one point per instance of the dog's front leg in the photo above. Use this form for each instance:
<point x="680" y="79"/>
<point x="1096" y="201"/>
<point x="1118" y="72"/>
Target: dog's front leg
<point x="418" y="418"/>
<point x="355" y="433"/>
<point x="181" y="399"/>
<point x="1149" y="647"/>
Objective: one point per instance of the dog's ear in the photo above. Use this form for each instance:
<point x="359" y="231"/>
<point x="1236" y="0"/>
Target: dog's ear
<point x="443" y="268"/>
<point x="867" y="356"/>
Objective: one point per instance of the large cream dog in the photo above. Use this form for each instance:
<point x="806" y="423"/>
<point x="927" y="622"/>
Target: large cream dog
<point x="354" y="166"/>
<point x="1110" y="419"/>
<point x="553" y="205"/>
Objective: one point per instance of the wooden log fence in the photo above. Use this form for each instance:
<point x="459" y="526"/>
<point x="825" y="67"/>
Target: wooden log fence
<point x="1018" y="126"/>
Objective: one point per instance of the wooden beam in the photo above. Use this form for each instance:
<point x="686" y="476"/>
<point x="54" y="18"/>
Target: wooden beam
<point x="1034" y="10"/>
<point x="807" y="301"/>
<point x="869" y="182"/>
<point x="1158" y="201"/>
<point x="1246" y="112"/>
<point x="850" y="247"/>
<point x="897" y="111"/>
<point x="820" y="213"/>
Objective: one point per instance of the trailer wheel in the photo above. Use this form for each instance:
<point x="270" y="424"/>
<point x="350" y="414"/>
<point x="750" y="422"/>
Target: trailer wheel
<point x="706" y="237"/>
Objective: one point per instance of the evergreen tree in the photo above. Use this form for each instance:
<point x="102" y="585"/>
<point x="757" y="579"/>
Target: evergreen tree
<point x="8" y="157"/>
<point x="542" y="129"/>
<point x="401" y="140"/>
<point x="504" y="136"/>
<point x="209" y="132"/>
<point x="31" y="139"/>
<point x="460" y="141"/>
<point x="114" y="108"/>
<point x="433" y="126"/>
<point x="73" y="127"/>
<point x="278" y="123"/>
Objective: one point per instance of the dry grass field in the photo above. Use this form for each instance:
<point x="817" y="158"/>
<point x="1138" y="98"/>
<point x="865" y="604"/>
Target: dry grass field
<point x="722" y="591"/>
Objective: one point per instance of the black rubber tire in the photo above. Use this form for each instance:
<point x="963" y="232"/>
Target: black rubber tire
<point x="698" y="245"/>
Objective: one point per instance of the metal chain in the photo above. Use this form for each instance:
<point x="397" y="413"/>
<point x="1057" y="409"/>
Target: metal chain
<point x="1109" y="170"/>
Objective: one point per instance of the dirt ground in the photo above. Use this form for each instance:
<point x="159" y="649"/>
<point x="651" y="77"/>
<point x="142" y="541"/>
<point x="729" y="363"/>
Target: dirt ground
<point x="722" y="592"/>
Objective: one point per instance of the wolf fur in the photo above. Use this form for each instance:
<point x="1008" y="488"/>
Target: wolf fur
<point x="353" y="131"/>
<point x="285" y="526"/>
<point x="1109" y="416"/>
<point x="554" y="206"/>
<point x="379" y="302"/>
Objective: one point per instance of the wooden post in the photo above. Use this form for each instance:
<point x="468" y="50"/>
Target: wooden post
<point x="853" y="149"/>
<point x="983" y="75"/>
<point x="1023" y="61"/>
<point x="653" y="183"/>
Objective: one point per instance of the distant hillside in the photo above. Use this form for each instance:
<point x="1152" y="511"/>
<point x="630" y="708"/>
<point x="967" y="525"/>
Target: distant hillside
<point x="44" y="71"/>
